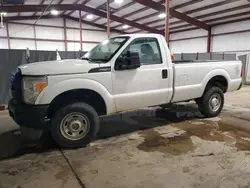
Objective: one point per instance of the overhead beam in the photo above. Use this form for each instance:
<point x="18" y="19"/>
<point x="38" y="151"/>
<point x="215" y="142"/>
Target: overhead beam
<point x="232" y="21"/>
<point x="93" y="24"/>
<point x="119" y="9"/>
<point x="211" y="6"/>
<point x="65" y="16"/>
<point x="28" y="17"/>
<point x="218" y="12"/>
<point x="76" y="2"/>
<point x="216" y="24"/>
<point x="34" y="8"/>
<point x="96" y="8"/>
<point x="157" y="13"/>
<point x="41" y="2"/>
<point x="174" y="13"/>
<point x="102" y="5"/>
<point x="136" y="12"/>
<point x="40" y="8"/>
<point x="214" y="6"/>
<point x="247" y="13"/>
<point x="187" y="4"/>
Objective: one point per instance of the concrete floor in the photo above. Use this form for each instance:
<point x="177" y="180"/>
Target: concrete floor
<point x="148" y="148"/>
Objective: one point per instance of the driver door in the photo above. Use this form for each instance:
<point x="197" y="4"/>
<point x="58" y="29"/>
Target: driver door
<point x="143" y="86"/>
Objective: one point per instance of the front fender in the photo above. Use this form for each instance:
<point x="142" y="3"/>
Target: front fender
<point x="52" y="91"/>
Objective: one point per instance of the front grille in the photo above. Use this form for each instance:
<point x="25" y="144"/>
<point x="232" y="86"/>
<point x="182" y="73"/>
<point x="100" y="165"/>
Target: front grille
<point x="16" y="85"/>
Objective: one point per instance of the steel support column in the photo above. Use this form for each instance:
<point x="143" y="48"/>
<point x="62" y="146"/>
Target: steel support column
<point x="108" y="19"/>
<point x="167" y="20"/>
<point x="34" y="28"/>
<point x="209" y="36"/>
<point x="65" y="34"/>
<point x="80" y="22"/>
<point x="8" y="34"/>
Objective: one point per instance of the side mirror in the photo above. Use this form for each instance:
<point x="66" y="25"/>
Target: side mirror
<point x="130" y="61"/>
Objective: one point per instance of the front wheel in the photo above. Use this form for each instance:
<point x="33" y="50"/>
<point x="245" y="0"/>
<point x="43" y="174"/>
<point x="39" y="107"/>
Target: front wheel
<point x="74" y="125"/>
<point x="212" y="102"/>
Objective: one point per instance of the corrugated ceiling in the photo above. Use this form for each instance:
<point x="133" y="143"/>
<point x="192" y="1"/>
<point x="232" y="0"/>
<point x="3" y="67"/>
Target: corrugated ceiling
<point x="203" y="10"/>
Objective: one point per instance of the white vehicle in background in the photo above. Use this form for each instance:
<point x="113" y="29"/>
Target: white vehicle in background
<point x="124" y="73"/>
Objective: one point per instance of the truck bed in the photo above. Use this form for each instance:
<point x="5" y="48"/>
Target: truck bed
<point x="192" y="76"/>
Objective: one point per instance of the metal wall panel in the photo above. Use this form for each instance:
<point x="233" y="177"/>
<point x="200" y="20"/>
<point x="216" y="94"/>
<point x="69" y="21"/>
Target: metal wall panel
<point x="74" y="46"/>
<point x="88" y="46"/>
<point x="191" y="33"/>
<point x="55" y="22"/>
<point x="17" y="30"/>
<point x="3" y="44"/>
<point x="189" y="45"/>
<point x="52" y="46"/>
<point x="231" y="42"/>
<point x="71" y="23"/>
<point x="3" y="31"/>
<point x="22" y="44"/>
<point x="94" y="35"/>
<point x="244" y="25"/>
<point x="49" y="33"/>
<point x="73" y="34"/>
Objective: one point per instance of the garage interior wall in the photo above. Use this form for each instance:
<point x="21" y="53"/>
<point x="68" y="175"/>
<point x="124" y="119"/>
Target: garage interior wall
<point x="39" y="37"/>
<point x="22" y="36"/>
<point x="223" y="39"/>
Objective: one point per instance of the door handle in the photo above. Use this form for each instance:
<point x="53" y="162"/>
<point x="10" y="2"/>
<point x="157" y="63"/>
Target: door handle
<point x="164" y="73"/>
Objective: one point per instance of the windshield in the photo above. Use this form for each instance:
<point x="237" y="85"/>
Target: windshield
<point x="106" y="50"/>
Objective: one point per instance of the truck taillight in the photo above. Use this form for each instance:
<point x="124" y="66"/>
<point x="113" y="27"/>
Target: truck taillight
<point x="172" y="57"/>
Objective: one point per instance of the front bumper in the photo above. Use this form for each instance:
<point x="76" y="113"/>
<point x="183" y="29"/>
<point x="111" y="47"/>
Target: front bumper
<point x="31" y="118"/>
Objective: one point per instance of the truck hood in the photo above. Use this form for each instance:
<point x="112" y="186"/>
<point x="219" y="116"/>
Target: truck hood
<point x="71" y="66"/>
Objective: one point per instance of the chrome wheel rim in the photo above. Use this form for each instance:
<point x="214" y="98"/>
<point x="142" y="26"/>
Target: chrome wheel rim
<point x="74" y="126"/>
<point x="215" y="102"/>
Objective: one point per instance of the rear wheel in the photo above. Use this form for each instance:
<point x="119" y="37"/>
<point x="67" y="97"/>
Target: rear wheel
<point x="75" y="125"/>
<point x="212" y="102"/>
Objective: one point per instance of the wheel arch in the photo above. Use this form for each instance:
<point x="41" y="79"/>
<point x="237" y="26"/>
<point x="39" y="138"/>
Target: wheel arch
<point x="52" y="92"/>
<point x="219" y="78"/>
<point x="87" y="96"/>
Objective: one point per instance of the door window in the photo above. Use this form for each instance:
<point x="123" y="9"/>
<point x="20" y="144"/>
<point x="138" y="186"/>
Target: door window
<point x="147" y="48"/>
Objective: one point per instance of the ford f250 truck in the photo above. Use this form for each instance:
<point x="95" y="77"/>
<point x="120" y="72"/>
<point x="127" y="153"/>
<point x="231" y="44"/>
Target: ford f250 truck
<point x="120" y="74"/>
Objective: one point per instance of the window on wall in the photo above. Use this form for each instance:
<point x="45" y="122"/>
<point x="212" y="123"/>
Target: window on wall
<point x="148" y="50"/>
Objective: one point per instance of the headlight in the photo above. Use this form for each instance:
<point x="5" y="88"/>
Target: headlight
<point x="32" y="87"/>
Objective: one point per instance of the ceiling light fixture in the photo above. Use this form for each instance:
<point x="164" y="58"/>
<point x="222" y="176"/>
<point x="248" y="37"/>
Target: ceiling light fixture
<point x="125" y="27"/>
<point x="162" y="15"/>
<point x="89" y="16"/>
<point x="118" y="1"/>
<point x="3" y="13"/>
<point x="54" y="12"/>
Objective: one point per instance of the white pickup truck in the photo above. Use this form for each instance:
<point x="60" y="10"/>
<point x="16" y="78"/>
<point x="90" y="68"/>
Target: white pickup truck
<point x="120" y="74"/>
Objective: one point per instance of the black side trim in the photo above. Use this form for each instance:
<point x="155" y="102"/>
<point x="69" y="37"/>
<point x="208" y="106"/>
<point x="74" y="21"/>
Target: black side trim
<point x="100" y="69"/>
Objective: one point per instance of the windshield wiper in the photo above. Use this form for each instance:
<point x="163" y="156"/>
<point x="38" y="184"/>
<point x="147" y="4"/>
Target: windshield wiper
<point x="94" y="60"/>
<point x="86" y="58"/>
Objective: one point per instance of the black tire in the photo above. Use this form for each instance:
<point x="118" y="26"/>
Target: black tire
<point x="83" y="109"/>
<point x="204" y="102"/>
